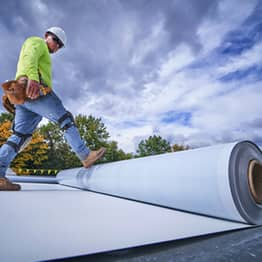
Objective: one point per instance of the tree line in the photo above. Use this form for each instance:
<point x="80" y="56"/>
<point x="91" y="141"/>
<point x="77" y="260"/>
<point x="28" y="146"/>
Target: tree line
<point x="49" y="150"/>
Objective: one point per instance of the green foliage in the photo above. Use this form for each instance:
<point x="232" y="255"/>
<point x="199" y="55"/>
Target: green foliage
<point x="92" y="131"/>
<point x="114" y="154"/>
<point x="154" y="145"/>
<point x="6" y="117"/>
<point x="57" y="148"/>
<point x="49" y="150"/>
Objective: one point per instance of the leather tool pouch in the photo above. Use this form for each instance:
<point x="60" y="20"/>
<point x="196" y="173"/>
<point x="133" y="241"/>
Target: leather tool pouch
<point x="7" y="105"/>
<point x="15" y="91"/>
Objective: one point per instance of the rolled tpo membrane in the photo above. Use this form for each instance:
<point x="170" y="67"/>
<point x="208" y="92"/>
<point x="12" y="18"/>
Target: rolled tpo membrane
<point x="223" y="181"/>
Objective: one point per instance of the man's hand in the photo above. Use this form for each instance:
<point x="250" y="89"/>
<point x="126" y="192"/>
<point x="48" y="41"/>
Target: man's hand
<point x="32" y="89"/>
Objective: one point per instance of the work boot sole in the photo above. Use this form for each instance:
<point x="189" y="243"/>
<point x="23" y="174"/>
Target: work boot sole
<point x="10" y="189"/>
<point x="6" y="185"/>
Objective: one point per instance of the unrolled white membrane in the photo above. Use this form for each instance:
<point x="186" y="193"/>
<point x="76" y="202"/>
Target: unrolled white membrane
<point x="223" y="181"/>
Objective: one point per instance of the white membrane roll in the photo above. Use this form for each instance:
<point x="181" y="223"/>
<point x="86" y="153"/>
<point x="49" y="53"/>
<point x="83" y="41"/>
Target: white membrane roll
<point x="223" y="181"/>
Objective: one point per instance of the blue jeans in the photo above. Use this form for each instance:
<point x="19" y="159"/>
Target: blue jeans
<point x="28" y="116"/>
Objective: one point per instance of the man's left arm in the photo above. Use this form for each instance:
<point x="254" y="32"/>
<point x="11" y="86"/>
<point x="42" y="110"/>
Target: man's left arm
<point x="28" y="66"/>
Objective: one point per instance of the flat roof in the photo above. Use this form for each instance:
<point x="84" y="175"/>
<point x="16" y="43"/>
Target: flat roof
<point x="51" y="221"/>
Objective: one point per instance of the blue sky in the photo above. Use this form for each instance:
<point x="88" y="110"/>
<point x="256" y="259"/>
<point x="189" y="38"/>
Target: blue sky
<point x="189" y="71"/>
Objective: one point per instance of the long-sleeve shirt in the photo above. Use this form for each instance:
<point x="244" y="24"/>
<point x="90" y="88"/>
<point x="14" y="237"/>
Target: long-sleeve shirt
<point x="34" y="59"/>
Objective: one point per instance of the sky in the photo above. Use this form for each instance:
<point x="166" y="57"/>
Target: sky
<point x="188" y="71"/>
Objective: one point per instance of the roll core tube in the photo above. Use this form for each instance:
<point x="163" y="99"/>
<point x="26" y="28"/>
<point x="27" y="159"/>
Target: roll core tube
<point x="255" y="180"/>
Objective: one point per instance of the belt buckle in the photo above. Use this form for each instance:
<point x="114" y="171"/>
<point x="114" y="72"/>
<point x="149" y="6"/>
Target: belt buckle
<point x="43" y="90"/>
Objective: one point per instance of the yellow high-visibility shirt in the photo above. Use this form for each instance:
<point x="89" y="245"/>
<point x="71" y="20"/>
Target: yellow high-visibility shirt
<point x="34" y="58"/>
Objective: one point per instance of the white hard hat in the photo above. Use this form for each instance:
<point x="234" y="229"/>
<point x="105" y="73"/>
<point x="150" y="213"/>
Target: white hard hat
<point x="59" y="32"/>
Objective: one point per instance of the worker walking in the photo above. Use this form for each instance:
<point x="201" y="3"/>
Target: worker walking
<point x="31" y="97"/>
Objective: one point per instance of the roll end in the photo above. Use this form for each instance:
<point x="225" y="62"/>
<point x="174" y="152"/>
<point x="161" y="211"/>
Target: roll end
<point x="255" y="180"/>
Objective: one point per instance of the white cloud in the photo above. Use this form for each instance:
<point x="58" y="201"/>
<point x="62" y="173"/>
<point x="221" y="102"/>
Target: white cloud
<point x="230" y="16"/>
<point x="231" y="110"/>
<point x="250" y="57"/>
<point x="129" y="137"/>
<point x="178" y="58"/>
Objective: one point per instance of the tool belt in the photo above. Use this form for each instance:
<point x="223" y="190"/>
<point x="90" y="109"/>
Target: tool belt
<point x="15" y="93"/>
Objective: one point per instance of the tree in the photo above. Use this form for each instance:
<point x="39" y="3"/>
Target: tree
<point x="177" y="147"/>
<point x="6" y="116"/>
<point x="57" y="148"/>
<point x="114" y="154"/>
<point x="5" y="131"/>
<point x="154" y="145"/>
<point x="92" y="130"/>
<point x="49" y="150"/>
<point x="60" y="155"/>
<point x="33" y="155"/>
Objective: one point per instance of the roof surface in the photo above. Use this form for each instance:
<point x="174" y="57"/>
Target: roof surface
<point x="48" y="221"/>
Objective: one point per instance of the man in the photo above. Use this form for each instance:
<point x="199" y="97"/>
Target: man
<point x="34" y="72"/>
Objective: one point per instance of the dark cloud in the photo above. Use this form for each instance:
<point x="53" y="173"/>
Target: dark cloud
<point x="182" y="21"/>
<point x="97" y="50"/>
<point x="255" y="123"/>
<point x="12" y="12"/>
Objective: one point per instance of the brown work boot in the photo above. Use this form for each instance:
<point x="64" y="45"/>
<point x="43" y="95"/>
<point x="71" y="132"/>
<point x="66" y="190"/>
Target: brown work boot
<point x="7" y="185"/>
<point x="93" y="156"/>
